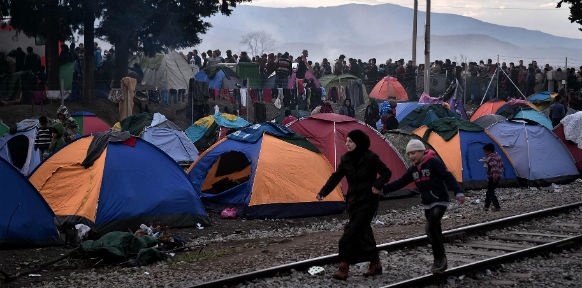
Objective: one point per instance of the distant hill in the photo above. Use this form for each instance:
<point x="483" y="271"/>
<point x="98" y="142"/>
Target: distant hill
<point x="385" y="31"/>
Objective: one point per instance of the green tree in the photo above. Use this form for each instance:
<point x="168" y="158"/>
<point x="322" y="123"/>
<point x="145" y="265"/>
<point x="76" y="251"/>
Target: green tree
<point x="151" y="26"/>
<point x="575" y="11"/>
<point x="50" y="19"/>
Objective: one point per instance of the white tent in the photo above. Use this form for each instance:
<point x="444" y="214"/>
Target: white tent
<point x="169" y="70"/>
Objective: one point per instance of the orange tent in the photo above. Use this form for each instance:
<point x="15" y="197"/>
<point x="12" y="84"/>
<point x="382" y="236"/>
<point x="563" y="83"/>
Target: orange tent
<point x="489" y="107"/>
<point x="389" y="87"/>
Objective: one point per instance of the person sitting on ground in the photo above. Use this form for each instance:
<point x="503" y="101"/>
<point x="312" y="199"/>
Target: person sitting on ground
<point x="70" y="126"/>
<point x="57" y="141"/>
<point x="288" y="117"/>
<point x="389" y="122"/>
<point x="347" y="109"/>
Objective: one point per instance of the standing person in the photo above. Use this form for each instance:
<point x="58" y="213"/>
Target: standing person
<point x="494" y="166"/>
<point x="32" y="61"/>
<point x="372" y="114"/>
<point x="43" y="136"/>
<point x="283" y="71"/>
<point x="360" y="166"/>
<point x="433" y="180"/>
<point x="302" y="65"/>
<point x="557" y="111"/>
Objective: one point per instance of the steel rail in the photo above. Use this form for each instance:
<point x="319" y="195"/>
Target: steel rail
<point x="504" y="258"/>
<point x="395" y="245"/>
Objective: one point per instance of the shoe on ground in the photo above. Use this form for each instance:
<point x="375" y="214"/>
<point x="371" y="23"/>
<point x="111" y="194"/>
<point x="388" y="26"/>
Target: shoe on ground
<point x="342" y="271"/>
<point x="375" y="268"/>
<point x="439" y="266"/>
<point x="496" y="209"/>
<point x="485" y="209"/>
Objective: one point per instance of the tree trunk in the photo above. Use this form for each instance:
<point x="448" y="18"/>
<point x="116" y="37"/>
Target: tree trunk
<point x="51" y="50"/>
<point x="121" y="60"/>
<point x="89" y="38"/>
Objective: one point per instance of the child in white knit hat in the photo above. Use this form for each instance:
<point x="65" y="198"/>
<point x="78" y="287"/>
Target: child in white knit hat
<point x="433" y="181"/>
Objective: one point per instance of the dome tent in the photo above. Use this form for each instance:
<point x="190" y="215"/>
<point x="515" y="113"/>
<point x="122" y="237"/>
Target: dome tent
<point x="112" y="184"/>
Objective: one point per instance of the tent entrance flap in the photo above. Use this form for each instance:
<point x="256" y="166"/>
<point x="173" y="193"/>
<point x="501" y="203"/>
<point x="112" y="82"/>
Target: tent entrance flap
<point x="230" y="169"/>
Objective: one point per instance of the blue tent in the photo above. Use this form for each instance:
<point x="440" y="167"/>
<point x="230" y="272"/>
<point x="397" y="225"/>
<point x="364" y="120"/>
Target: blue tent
<point x="538" y="154"/>
<point x="219" y="77"/>
<point x="404" y="108"/>
<point x="26" y="220"/>
<point x="423" y="115"/>
<point x="459" y="143"/>
<point x="541" y="96"/>
<point x="115" y="185"/>
<point x="265" y="171"/>
<point x="18" y="148"/>
<point x="174" y="142"/>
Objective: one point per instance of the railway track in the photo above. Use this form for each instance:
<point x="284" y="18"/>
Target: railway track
<point x="469" y="249"/>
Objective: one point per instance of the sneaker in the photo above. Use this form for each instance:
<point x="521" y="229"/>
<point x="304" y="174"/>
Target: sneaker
<point x="485" y="209"/>
<point x="439" y="266"/>
<point x="496" y="209"/>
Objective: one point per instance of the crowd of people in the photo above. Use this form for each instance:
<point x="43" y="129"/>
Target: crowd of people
<point x="513" y="79"/>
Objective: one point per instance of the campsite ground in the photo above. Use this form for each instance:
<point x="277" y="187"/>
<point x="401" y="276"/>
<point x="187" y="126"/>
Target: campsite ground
<point x="234" y="246"/>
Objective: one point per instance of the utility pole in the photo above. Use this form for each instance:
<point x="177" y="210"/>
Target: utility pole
<point x="414" y="31"/>
<point x="427" y="50"/>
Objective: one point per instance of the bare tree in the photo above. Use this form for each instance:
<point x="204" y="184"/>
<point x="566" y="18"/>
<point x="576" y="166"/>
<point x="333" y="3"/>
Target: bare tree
<point x="258" y="42"/>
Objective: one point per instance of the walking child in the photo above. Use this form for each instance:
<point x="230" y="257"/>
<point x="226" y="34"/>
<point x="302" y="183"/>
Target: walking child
<point x="494" y="166"/>
<point x="433" y="181"/>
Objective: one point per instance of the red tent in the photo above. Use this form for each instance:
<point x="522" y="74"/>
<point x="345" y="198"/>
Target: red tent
<point x="389" y="87"/>
<point x="572" y="147"/>
<point x="328" y="132"/>
<point x="89" y="123"/>
<point x="489" y="107"/>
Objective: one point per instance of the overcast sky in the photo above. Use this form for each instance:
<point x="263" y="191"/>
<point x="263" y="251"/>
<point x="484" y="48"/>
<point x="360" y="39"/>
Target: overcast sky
<point x="530" y="14"/>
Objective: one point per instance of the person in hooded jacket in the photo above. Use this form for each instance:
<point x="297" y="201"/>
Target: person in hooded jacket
<point x="433" y="181"/>
<point x="57" y="141"/>
<point x="70" y="126"/>
<point x="361" y="168"/>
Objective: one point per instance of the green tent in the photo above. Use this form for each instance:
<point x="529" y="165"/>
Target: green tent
<point x="66" y="75"/>
<point x="250" y="72"/>
<point x="3" y="129"/>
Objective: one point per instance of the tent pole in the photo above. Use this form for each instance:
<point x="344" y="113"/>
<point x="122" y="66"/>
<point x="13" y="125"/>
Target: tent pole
<point x="497" y="74"/>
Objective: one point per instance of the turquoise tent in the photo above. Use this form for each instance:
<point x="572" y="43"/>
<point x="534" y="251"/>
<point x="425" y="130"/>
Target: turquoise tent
<point x="536" y="116"/>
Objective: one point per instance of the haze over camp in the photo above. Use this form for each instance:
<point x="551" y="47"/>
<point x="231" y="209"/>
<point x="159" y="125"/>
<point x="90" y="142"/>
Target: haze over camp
<point x="290" y="143"/>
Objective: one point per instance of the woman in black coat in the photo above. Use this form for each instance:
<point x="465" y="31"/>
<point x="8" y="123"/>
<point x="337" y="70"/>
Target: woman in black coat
<point x="361" y="168"/>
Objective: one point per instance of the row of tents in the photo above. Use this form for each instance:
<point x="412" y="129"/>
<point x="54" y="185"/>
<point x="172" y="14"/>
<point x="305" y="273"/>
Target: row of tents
<point x="264" y="170"/>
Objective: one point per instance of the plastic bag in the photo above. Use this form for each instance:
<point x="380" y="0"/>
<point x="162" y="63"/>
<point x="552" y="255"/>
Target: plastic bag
<point x="115" y="95"/>
<point x="228" y="213"/>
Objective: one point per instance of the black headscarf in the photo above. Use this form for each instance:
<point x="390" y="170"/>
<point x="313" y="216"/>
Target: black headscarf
<point x="362" y="141"/>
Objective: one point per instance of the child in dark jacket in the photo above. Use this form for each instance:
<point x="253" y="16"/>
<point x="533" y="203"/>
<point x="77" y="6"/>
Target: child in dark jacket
<point x="433" y="181"/>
